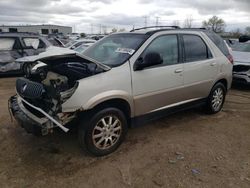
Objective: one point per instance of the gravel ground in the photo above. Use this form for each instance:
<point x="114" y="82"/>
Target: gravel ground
<point x="188" y="149"/>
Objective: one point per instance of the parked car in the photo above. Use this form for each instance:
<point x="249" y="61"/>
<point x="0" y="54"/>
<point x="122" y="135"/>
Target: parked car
<point x="122" y="80"/>
<point x="83" y="47"/>
<point x="241" y="69"/>
<point x="74" y="44"/>
<point x="17" y="45"/>
<point x="95" y="37"/>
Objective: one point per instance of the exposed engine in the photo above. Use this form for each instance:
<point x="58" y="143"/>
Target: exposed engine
<point x="47" y="85"/>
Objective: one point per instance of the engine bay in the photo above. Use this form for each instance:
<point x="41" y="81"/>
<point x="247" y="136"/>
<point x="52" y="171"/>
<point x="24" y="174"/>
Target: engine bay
<point x="50" y="82"/>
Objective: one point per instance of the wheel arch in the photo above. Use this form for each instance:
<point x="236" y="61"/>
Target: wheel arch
<point x="223" y="81"/>
<point x="119" y="103"/>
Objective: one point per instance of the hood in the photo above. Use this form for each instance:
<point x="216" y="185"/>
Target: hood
<point x="57" y="52"/>
<point x="50" y="52"/>
<point x="241" y="57"/>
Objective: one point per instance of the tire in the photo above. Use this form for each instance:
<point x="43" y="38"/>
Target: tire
<point x="103" y="133"/>
<point x="216" y="99"/>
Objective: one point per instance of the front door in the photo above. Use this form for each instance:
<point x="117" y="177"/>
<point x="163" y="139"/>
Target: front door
<point x="157" y="87"/>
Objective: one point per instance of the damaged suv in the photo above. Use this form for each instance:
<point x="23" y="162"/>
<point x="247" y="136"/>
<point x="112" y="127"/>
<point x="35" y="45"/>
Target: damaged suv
<point x="120" y="80"/>
<point x="17" y="45"/>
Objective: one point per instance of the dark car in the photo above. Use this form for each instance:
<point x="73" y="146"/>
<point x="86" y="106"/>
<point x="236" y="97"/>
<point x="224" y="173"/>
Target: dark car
<point x="17" y="45"/>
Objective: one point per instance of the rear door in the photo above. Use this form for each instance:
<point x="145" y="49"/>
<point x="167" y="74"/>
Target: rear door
<point x="155" y="88"/>
<point x="200" y="68"/>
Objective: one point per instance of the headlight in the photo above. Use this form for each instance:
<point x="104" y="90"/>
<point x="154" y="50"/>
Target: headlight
<point x="67" y="94"/>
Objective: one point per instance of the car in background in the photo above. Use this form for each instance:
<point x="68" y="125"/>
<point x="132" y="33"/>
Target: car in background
<point x="17" y="45"/>
<point x="74" y="44"/>
<point x="241" y="68"/>
<point x="95" y="37"/>
<point x="83" y="47"/>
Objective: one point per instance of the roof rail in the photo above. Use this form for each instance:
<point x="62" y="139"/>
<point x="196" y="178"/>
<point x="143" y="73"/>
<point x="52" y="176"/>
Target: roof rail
<point x="160" y="27"/>
<point x="203" y="28"/>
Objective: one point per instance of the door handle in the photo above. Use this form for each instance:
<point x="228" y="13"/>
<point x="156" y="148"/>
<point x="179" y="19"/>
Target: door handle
<point x="178" y="70"/>
<point x="212" y="64"/>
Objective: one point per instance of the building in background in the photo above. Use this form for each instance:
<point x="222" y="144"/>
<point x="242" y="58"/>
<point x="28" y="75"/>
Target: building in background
<point x="41" y="29"/>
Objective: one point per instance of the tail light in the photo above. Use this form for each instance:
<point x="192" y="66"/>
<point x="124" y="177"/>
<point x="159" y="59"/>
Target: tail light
<point x="230" y="58"/>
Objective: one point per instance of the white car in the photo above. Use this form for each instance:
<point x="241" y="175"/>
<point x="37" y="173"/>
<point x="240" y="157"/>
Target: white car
<point x="241" y="68"/>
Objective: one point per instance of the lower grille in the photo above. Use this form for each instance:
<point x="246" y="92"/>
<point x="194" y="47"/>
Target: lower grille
<point x="29" y="89"/>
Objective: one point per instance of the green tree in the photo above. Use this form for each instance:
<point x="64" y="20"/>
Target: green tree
<point x="215" y="24"/>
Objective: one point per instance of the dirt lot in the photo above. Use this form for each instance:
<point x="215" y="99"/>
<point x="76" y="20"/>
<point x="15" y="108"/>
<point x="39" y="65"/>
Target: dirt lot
<point x="189" y="149"/>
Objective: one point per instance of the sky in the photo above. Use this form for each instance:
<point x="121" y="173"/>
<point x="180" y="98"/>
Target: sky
<point x="93" y="16"/>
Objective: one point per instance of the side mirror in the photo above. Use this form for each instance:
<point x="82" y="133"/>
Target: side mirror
<point x="150" y="59"/>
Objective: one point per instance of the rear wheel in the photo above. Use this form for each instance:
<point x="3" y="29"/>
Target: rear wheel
<point x="216" y="99"/>
<point x="103" y="133"/>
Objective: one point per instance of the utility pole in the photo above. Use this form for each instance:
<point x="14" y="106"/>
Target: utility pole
<point x="100" y="28"/>
<point x="157" y="20"/>
<point x="145" y="21"/>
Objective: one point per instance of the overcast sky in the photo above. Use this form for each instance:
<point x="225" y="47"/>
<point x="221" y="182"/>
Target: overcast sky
<point x="81" y="14"/>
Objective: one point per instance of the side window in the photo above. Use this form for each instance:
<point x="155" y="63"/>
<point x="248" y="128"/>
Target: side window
<point x="195" y="48"/>
<point x="31" y="42"/>
<point x="167" y="47"/>
<point x="7" y="43"/>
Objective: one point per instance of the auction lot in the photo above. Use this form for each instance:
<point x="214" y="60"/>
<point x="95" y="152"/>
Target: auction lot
<point x="188" y="149"/>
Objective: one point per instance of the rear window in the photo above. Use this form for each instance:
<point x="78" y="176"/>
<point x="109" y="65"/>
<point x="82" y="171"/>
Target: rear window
<point x="7" y="43"/>
<point x="219" y="42"/>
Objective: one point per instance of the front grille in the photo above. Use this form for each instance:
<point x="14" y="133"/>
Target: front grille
<point x="29" y="89"/>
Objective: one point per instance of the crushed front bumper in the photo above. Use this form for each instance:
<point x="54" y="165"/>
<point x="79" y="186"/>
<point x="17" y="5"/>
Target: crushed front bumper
<point x="37" y="125"/>
<point x="242" y="78"/>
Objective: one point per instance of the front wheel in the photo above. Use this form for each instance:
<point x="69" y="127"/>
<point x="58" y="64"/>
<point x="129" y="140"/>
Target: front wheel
<point x="216" y="99"/>
<point x="103" y="133"/>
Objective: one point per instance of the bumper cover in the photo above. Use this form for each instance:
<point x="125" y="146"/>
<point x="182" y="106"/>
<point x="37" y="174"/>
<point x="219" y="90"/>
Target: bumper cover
<point x="241" y="78"/>
<point x="29" y="121"/>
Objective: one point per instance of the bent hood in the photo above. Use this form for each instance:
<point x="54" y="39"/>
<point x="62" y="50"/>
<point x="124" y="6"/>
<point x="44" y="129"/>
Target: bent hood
<point x="59" y="52"/>
<point x="50" y="52"/>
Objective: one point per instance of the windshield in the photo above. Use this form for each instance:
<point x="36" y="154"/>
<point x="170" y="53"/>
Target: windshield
<point x="115" y="49"/>
<point x="82" y="48"/>
<point x="241" y="47"/>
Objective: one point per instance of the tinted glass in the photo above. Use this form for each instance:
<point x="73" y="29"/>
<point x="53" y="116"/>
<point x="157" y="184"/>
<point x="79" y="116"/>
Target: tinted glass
<point x="167" y="47"/>
<point x="218" y="41"/>
<point x="195" y="48"/>
<point x="115" y="49"/>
